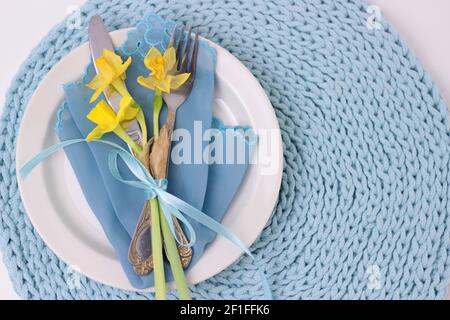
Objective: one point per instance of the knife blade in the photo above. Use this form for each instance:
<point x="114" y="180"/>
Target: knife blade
<point x="99" y="40"/>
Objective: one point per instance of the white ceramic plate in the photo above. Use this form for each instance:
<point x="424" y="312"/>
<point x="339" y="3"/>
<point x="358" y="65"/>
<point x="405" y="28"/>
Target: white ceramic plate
<point x="57" y="208"/>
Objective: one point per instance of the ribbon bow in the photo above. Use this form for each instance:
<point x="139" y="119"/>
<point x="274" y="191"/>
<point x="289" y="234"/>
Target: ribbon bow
<point x="170" y="204"/>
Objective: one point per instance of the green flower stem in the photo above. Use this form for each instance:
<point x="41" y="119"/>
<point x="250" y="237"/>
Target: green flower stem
<point x="157" y="251"/>
<point x="141" y="120"/>
<point x="169" y="241"/>
<point x="137" y="149"/>
<point x="174" y="259"/>
<point x="120" y="87"/>
<point x="157" y="106"/>
<point x="157" y="248"/>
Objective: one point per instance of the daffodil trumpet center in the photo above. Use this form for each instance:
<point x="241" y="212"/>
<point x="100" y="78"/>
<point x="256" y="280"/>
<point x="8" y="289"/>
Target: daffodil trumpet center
<point x="157" y="68"/>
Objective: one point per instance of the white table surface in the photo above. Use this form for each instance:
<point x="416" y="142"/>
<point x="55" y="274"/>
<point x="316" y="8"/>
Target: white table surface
<point x="423" y="24"/>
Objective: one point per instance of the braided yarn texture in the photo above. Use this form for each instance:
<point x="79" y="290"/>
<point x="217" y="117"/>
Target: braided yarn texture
<point x="363" y="211"/>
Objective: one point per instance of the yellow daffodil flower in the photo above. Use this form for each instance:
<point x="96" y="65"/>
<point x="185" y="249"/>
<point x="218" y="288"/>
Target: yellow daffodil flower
<point x="108" y="121"/>
<point x="162" y="67"/>
<point x="111" y="71"/>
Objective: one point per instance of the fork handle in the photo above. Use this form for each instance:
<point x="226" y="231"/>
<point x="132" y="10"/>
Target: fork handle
<point x="159" y="165"/>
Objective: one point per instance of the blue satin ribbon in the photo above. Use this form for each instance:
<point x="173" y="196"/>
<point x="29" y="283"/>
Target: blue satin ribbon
<point x="170" y="204"/>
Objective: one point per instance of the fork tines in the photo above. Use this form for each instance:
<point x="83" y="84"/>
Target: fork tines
<point x="182" y="46"/>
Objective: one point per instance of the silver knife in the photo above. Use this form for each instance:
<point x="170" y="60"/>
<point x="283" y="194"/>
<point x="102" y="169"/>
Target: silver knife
<point x="140" y="254"/>
<point x="99" y="40"/>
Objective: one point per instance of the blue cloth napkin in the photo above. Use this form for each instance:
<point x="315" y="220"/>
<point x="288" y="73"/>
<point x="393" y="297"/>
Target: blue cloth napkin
<point x="209" y="188"/>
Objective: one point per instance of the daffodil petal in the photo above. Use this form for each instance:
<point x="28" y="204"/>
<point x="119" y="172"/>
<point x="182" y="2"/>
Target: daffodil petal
<point x="178" y="80"/>
<point x="120" y="87"/>
<point x="103" y="116"/>
<point x="148" y="82"/>
<point x="95" y="96"/>
<point x="113" y="59"/>
<point x="95" y="82"/>
<point x="99" y="85"/>
<point x="95" y="134"/>
<point x="110" y="68"/>
<point x="128" y="109"/>
<point x="151" y="55"/>
<point x="105" y="69"/>
<point x="164" y="85"/>
<point x="170" y="59"/>
<point x="121" y="71"/>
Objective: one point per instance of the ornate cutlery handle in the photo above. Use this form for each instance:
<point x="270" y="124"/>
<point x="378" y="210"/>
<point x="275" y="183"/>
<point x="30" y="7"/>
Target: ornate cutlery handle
<point x="159" y="165"/>
<point x="140" y="251"/>
<point x="139" y="254"/>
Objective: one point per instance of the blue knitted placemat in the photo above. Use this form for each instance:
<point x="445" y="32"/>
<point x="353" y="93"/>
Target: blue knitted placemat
<point x="364" y="206"/>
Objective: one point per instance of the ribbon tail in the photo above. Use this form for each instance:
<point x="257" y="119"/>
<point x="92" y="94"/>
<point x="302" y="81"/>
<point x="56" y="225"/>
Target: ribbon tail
<point x="170" y="210"/>
<point x="215" y="226"/>
<point x="30" y="165"/>
<point x="41" y="156"/>
<point x="144" y="182"/>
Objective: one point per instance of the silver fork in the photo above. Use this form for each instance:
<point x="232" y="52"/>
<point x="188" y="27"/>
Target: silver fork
<point x="186" y="64"/>
<point x="160" y="150"/>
